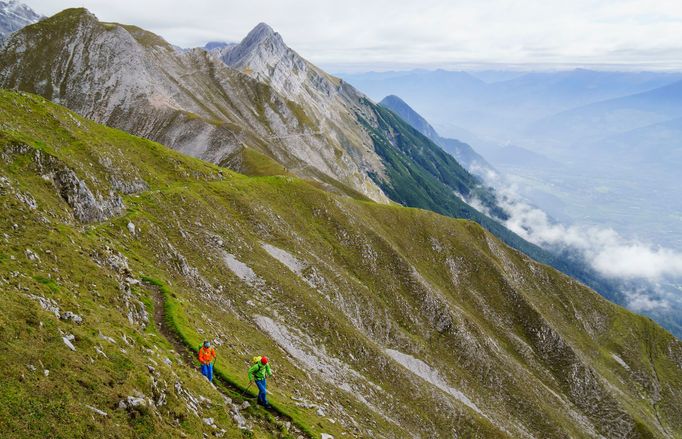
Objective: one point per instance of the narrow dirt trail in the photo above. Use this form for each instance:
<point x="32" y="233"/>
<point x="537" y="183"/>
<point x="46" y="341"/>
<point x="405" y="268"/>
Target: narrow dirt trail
<point x="169" y="334"/>
<point x="188" y="356"/>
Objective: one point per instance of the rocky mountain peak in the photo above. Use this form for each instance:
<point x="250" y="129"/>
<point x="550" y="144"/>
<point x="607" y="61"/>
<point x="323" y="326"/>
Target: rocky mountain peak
<point x="261" y="32"/>
<point x="264" y="56"/>
<point x="18" y="8"/>
<point x="397" y="105"/>
<point x="261" y="43"/>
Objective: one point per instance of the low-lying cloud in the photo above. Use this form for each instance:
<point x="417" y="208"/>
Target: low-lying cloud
<point x="648" y="277"/>
<point x="607" y="251"/>
<point x="604" y="249"/>
<point x="642" y="300"/>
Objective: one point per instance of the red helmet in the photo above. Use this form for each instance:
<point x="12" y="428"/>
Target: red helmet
<point x="264" y="360"/>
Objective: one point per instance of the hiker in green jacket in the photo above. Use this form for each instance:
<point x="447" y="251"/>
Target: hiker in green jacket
<point x="258" y="372"/>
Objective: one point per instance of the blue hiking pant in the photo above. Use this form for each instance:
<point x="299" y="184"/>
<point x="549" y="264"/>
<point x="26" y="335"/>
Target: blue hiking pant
<point x="207" y="371"/>
<point x="262" y="391"/>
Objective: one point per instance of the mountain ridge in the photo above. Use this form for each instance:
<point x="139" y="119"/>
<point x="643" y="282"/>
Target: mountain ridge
<point x="461" y="151"/>
<point x="215" y="112"/>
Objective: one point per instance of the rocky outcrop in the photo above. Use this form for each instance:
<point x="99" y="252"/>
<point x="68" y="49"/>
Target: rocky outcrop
<point x="87" y="206"/>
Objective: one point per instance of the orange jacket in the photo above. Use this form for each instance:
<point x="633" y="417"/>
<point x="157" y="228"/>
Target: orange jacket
<point x="206" y="355"/>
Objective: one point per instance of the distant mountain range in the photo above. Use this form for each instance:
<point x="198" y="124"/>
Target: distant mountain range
<point x="613" y="116"/>
<point x="502" y="110"/>
<point x="14" y="16"/>
<point x="461" y="151"/>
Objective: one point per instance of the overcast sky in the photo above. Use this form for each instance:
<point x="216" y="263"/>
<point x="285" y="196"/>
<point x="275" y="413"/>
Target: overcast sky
<point x="385" y="34"/>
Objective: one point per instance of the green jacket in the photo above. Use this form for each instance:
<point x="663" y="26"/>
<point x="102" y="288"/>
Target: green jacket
<point x="259" y="372"/>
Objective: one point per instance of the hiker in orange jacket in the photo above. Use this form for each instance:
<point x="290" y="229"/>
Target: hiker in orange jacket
<point x="207" y="357"/>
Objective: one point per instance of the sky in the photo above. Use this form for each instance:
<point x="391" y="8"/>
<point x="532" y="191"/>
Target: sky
<point x="360" y="35"/>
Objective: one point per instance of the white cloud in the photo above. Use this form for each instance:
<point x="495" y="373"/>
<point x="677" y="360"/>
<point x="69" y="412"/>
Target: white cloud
<point x="638" y="260"/>
<point x="643" y="301"/>
<point x="604" y="249"/>
<point x="427" y="33"/>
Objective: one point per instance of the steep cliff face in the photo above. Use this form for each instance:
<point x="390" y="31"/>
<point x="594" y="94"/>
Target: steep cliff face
<point x="380" y="320"/>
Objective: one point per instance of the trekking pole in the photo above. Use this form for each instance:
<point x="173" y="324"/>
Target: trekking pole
<point x="247" y="388"/>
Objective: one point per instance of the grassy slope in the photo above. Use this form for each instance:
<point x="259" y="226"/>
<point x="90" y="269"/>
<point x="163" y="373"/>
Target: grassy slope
<point x="71" y="272"/>
<point x="500" y="328"/>
<point x="420" y="174"/>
